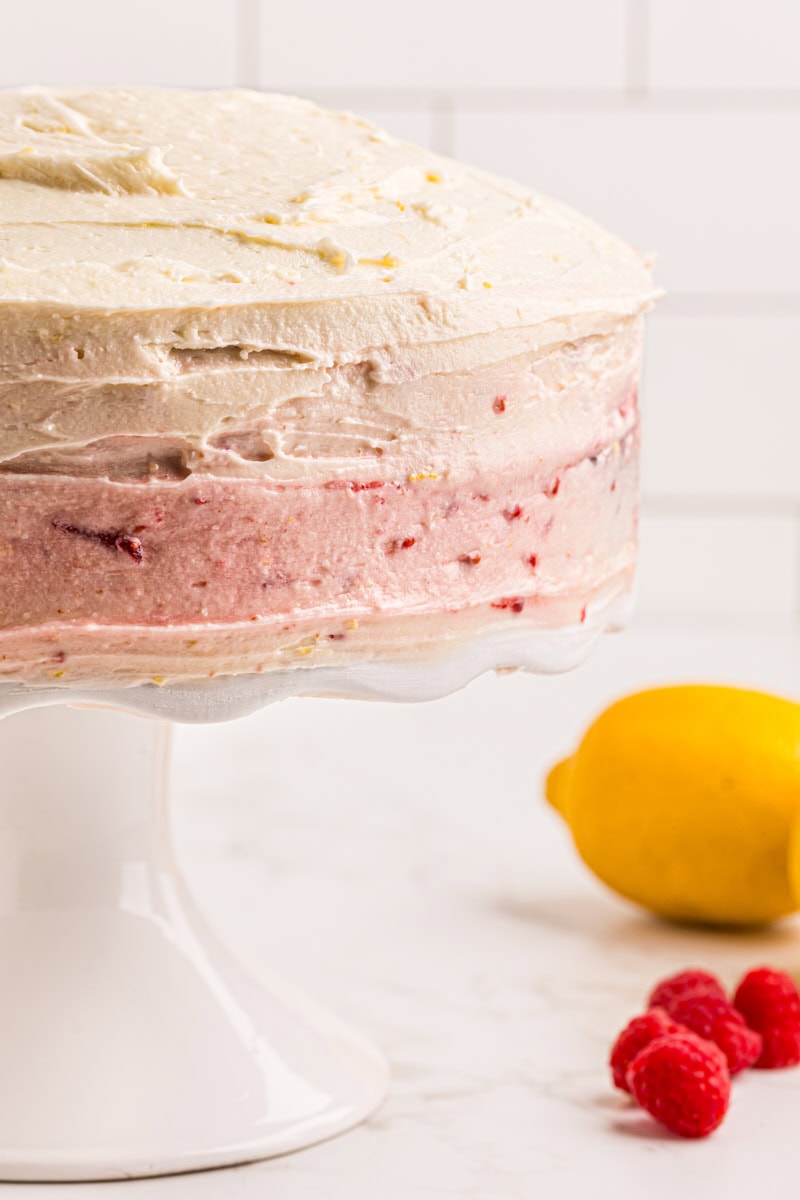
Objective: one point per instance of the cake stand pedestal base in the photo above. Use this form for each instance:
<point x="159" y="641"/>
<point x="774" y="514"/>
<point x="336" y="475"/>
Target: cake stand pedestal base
<point x="131" y="1044"/>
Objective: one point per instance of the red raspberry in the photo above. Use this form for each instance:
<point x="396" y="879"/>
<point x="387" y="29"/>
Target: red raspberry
<point x="781" y="1048"/>
<point x="683" y="1081"/>
<point x="770" y="1003"/>
<point x="718" y="1021"/>
<point x="764" y="993"/>
<point x="668" y="990"/>
<point x="637" y="1034"/>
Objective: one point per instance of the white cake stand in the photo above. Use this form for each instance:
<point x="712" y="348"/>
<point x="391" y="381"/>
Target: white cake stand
<point x="131" y="1044"/>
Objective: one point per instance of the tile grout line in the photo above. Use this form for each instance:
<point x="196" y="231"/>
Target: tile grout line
<point x="757" y="102"/>
<point x="719" y="505"/>
<point x="443" y="124"/>
<point x="247" y="43"/>
<point x="646" y="619"/>
<point x="637" y="48"/>
<point x="728" y="304"/>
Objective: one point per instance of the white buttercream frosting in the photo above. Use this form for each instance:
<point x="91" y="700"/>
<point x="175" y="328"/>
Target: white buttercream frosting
<point x="335" y="236"/>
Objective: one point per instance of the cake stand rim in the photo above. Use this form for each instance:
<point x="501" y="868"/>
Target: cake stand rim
<point x="531" y="648"/>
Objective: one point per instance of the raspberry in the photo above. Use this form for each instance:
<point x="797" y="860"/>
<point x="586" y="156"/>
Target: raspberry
<point x="637" y="1034"/>
<point x="515" y="603"/>
<point x="717" y="1021"/>
<point x="683" y="1081"/>
<point x="114" y="539"/>
<point x="770" y="1003"/>
<point x="781" y="1048"/>
<point x="764" y="993"/>
<point x="668" y="990"/>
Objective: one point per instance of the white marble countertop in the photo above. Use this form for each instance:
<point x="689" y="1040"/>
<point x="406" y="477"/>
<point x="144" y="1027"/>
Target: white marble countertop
<point x="398" y="861"/>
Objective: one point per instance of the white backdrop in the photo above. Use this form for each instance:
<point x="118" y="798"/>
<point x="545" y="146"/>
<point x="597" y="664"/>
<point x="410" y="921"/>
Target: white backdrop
<point x="674" y="122"/>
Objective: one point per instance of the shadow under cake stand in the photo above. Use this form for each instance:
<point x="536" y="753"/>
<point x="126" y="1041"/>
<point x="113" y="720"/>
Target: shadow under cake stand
<point x="131" y="1042"/>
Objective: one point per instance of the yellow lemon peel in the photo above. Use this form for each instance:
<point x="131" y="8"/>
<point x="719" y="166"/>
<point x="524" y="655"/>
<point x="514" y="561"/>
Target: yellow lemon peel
<point x="686" y="800"/>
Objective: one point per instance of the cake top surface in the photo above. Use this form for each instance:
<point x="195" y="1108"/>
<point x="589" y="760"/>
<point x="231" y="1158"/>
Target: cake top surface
<point x="136" y="200"/>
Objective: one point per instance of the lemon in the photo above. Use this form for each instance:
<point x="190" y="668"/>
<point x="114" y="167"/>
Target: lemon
<point x="683" y="800"/>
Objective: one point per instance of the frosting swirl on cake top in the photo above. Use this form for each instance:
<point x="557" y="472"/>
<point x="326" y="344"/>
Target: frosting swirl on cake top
<point x="269" y="222"/>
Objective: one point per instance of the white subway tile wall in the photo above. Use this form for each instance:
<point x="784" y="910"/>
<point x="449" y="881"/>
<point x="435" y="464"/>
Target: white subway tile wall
<point x="437" y="44"/>
<point x="185" y="43"/>
<point x="741" y="568"/>
<point x="674" y="122"/>
<point x="724" y="44"/>
<point x="721" y="402"/>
